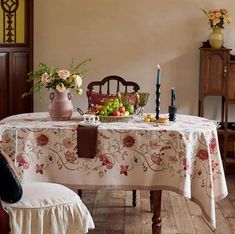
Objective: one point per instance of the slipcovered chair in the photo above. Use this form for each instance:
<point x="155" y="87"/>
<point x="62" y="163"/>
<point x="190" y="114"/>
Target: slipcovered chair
<point x="39" y="207"/>
<point x="109" y="87"/>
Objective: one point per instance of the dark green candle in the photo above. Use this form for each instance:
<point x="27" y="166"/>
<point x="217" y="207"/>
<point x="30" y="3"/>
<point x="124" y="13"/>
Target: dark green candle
<point x="173" y="97"/>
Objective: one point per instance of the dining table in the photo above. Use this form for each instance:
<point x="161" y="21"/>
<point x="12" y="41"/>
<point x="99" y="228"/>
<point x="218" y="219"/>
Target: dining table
<point x="181" y="156"/>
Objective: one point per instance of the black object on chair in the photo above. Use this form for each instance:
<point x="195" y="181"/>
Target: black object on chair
<point x="121" y="86"/>
<point x="10" y="187"/>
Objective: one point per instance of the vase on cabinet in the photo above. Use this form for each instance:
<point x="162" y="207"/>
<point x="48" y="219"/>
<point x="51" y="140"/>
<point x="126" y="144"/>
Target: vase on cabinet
<point x="216" y="38"/>
<point x="60" y="105"/>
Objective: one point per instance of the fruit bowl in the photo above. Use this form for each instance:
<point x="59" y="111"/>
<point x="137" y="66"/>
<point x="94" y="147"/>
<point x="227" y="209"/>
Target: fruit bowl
<point x="109" y="119"/>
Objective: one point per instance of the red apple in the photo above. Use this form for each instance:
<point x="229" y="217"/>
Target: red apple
<point x="116" y="113"/>
<point x="122" y="109"/>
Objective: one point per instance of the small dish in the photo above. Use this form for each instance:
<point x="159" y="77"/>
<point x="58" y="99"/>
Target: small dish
<point x="84" y="123"/>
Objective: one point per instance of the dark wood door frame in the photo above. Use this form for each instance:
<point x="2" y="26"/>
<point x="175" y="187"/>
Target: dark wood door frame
<point x="16" y="61"/>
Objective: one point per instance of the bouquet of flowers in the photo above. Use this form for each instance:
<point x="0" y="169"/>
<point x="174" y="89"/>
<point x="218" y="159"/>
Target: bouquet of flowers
<point x="218" y="18"/>
<point x="55" y="78"/>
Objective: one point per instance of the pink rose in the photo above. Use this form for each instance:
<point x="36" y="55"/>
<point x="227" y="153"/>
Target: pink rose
<point x="64" y="74"/>
<point x="45" y="78"/>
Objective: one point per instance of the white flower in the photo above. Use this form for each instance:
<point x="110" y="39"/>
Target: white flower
<point x="64" y="74"/>
<point x="60" y="88"/>
<point x="77" y="80"/>
<point x="45" y="78"/>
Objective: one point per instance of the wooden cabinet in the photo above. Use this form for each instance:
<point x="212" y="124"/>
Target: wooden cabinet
<point x="217" y="78"/>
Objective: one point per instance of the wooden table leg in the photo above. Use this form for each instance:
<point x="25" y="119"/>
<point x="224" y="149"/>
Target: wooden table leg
<point x="156" y="197"/>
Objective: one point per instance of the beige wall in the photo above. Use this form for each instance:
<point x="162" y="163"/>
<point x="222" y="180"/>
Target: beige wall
<point x="129" y="38"/>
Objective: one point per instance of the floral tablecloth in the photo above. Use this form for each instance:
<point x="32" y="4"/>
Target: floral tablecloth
<point x="183" y="156"/>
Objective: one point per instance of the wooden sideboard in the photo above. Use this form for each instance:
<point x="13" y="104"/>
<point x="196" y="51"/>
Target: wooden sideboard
<point x="217" y="78"/>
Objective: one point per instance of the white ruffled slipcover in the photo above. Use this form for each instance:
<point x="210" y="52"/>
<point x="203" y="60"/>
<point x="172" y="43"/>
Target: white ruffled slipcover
<point x="48" y="208"/>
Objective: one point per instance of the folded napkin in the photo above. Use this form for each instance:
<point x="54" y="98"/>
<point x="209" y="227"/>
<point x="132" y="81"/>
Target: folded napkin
<point x="87" y="141"/>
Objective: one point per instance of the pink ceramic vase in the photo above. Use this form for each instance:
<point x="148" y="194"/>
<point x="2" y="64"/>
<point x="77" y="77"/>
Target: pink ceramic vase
<point x="60" y="106"/>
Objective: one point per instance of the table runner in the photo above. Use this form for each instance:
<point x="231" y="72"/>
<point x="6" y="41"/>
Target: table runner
<point x="183" y="157"/>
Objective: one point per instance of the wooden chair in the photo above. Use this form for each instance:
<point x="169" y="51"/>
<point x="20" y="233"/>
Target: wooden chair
<point x="112" y="85"/>
<point x="43" y="207"/>
<point x="119" y="80"/>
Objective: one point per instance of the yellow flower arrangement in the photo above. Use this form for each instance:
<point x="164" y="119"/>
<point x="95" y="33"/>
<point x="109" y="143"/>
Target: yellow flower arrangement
<point x="218" y="18"/>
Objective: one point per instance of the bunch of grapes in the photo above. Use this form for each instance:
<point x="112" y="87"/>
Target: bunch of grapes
<point x="111" y="106"/>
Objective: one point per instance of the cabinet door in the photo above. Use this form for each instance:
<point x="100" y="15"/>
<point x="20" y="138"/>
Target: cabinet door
<point x="231" y="82"/>
<point x="4" y="84"/>
<point x="18" y="75"/>
<point x="214" y="71"/>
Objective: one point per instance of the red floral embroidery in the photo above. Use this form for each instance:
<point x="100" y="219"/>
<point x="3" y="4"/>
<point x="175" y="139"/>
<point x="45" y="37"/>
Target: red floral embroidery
<point x="68" y="143"/>
<point x="124" y="169"/>
<point x="70" y="157"/>
<point x="42" y="140"/>
<point x="128" y="141"/>
<point x="106" y="162"/>
<point x="186" y="164"/>
<point x="23" y="161"/>
<point x="212" y="144"/>
<point x="214" y="165"/>
<point x="39" y="168"/>
<point x="156" y="158"/>
<point x="203" y="154"/>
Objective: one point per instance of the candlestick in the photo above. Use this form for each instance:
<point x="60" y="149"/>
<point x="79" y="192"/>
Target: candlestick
<point x="157" y="101"/>
<point x="158" y="75"/>
<point x="172" y="107"/>
<point x="173" y="97"/>
<point x="172" y="112"/>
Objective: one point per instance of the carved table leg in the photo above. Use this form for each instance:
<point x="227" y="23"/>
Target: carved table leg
<point x="156" y="205"/>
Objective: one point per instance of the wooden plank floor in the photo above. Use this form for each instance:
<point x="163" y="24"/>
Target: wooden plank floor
<point x="113" y="214"/>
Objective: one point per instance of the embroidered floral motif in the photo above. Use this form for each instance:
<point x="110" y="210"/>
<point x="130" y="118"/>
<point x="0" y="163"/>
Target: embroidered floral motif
<point x="186" y="165"/>
<point x="39" y="168"/>
<point x="203" y="154"/>
<point x="128" y="141"/>
<point x="212" y="144"/>
<point x="42" y="140"/>
<point x="106" y="161"/>
<point x="124" y="169"/>
<point x="156" y="158"/>
<point x="70" y="157"/>
<point x="68" y="142"/>
<point x="23" y="161"/>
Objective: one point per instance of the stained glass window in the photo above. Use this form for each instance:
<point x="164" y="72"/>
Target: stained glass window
<point x="12" y="21"/>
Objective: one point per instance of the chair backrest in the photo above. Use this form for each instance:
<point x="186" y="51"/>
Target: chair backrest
<point x="119" y="81"/>
<point x="99" y="91"/>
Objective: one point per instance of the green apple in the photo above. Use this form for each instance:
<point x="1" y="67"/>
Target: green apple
<point x="129" y="108"/>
